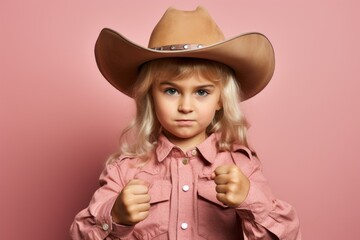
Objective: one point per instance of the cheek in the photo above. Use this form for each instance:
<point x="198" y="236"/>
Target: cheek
<point x="207" y="115"/>
<point x="161" y="113"/>
<point x="162" y="109"/>
<point x="209" y="112"/>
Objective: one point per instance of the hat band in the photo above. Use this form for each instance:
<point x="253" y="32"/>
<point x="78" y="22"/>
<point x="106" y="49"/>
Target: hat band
<point x="176" y="47"/>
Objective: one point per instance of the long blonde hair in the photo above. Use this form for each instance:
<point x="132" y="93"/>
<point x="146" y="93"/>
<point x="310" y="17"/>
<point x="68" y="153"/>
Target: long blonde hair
<point x="139" y="138"/>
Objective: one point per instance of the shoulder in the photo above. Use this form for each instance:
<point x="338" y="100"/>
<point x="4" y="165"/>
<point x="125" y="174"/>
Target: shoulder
<point x="127" y="163"/>
<point x="130" y="166"/>
<point x="242" y="151"/>
<point x="122" y="164"/>
<point x="244" y="158"/>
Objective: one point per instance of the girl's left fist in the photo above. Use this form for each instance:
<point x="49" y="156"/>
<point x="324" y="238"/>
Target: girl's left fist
<point x="232" y="186"/>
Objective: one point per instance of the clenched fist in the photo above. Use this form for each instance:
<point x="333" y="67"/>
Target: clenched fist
<point x="132" y="204"/>
<point x="232" y="186"/>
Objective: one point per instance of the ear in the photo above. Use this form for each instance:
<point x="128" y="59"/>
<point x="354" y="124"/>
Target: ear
<point x="219" y="105"/>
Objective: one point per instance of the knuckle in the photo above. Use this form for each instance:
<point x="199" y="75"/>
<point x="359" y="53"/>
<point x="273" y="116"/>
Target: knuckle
<point x="232" y="188"/>
<point x="132" y="218"/>
<point x="146" y="207"/>
<point x="233" y="168"/>
<point x="145" y="188"/>
<point x="131" y="209"/>
<point x="146" y="214"/>
<point x="233" y="200"/>
<point x="126" y="191"/>
<point x="221" y="197"/>
<point x="126" y="201"/>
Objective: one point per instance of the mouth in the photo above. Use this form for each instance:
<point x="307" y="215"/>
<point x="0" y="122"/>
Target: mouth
<point x="184" y="122"/>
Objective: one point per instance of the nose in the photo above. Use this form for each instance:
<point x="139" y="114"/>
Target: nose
<point x="185" y="104"/>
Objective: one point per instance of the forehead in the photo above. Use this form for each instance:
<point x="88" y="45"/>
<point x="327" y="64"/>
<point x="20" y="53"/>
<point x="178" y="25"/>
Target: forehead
<point x="191" y="80"/>
<point x="184" y="68"/>
<point x="189" y="76"/>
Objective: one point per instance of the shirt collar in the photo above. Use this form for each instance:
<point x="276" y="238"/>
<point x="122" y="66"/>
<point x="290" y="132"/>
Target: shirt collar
<point x="208" y="148"/>
<point x="164" y="147"/>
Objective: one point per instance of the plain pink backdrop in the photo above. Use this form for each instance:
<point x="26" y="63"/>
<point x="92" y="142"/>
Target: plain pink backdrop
<point x="60" y="119"/>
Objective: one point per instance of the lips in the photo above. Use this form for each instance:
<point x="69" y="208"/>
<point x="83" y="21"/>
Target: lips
<point x="184" y="122"/>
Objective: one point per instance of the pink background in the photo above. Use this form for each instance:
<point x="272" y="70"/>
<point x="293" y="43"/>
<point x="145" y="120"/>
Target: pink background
<point x="60" y="119"/>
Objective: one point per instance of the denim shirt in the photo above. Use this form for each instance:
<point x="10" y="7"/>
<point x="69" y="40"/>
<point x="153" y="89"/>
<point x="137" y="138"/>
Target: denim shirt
<point x="183" y="199"/>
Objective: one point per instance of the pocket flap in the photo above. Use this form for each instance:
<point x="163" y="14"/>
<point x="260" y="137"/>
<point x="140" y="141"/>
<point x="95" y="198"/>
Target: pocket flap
<point x="160" y="191"/>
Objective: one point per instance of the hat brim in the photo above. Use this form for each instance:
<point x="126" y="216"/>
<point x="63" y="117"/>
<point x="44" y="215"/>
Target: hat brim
<point x="250" y="55"/>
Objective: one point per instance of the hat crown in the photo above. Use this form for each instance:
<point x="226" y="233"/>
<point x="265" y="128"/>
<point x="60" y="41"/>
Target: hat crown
<point x="185" y="27"/>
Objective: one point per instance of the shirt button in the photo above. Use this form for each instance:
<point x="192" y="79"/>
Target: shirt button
<point x="185" y="161"/>
<point x="185" y="188"/>
<point x="105" y="226"/>
<point x="193" y="152"/>
<point x="184" y="226"/>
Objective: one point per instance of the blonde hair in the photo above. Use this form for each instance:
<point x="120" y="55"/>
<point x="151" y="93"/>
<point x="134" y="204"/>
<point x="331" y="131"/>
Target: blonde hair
<point x="229" y="121"/>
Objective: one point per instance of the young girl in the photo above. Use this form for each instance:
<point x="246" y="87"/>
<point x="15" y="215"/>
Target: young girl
<point x="185" y="170"/>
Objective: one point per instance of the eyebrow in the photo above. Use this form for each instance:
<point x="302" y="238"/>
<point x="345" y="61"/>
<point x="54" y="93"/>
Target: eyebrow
<point x="179" y="86"/>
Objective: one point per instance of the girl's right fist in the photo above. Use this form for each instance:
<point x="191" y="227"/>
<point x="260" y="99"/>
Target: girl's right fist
<point x="132" y="204"/>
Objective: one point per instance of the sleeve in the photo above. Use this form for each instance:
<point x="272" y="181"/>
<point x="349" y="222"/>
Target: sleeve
<point x="95" y="221"/>
<point x="263" y="216"/>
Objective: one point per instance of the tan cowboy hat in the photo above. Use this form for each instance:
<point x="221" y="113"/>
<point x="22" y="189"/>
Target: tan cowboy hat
<point x="191" y="34"/>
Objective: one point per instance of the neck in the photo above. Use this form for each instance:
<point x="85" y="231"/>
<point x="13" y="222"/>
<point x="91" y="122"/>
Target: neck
<point x="185" y="144"/>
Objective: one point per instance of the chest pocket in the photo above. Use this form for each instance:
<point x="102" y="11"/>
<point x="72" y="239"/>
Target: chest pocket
<point x="215" y="220"/>
<point x="155" y="226"/>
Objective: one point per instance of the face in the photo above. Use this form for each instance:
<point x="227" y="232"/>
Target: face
<point x="185" y="108"/>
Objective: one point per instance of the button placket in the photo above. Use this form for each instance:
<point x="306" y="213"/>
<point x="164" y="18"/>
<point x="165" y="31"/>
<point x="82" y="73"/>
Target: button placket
<point x="185" y="196"/>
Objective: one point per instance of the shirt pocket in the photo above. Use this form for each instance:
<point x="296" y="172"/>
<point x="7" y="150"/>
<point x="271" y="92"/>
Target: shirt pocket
<point x="215" y="220"/>
<point x="156" y="225"/>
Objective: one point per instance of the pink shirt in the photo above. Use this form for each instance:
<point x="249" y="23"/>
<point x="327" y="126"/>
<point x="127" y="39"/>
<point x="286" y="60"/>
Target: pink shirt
<point x="183" y="199"/>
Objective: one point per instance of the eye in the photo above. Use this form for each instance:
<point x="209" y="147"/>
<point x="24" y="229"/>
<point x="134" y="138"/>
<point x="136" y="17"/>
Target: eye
<point x="202" y="92"/>
<point x="171" y="91"/>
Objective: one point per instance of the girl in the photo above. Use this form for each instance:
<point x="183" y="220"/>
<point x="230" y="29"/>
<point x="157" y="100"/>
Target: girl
<point x="185" y="170"/>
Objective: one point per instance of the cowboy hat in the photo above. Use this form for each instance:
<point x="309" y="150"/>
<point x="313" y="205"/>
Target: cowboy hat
<point x="191" y="34"/>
